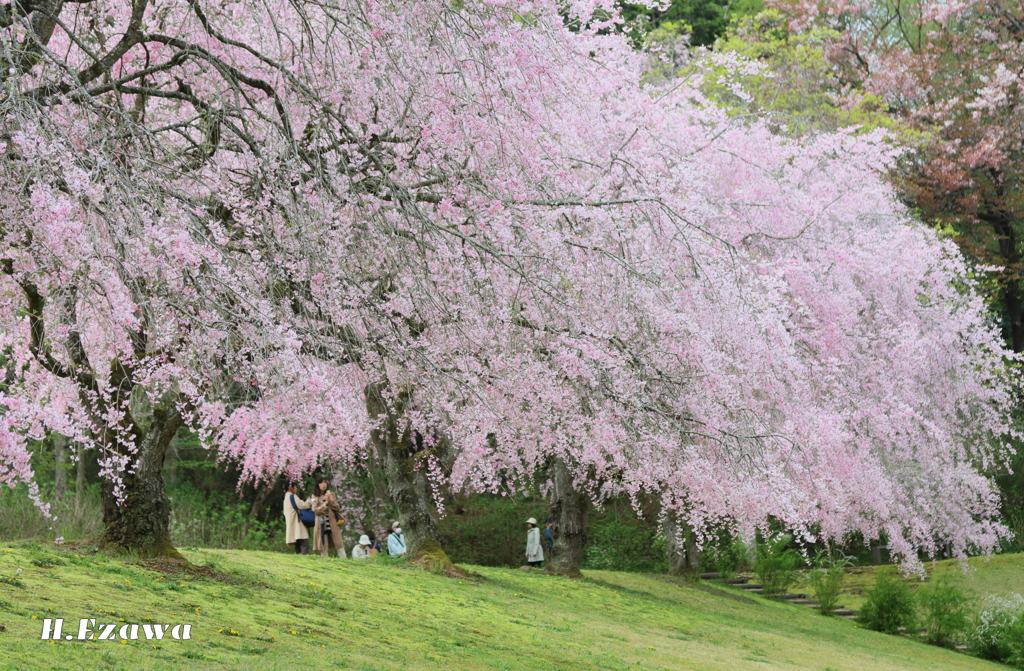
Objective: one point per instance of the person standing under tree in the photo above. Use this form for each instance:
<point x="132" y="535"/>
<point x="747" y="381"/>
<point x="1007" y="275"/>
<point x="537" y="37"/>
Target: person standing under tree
<point x="534" y="551"/>
<point x="326" y="534"/>
<point x="296" y="533"/>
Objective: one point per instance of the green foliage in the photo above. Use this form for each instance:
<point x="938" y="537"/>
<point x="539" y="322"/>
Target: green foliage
<point x="489" y="530"/>
<point x="796" y="91"/>
<point x="219" y="519"/>
<point x="20" y="518"/>
<point x="826" y="580"/>
<point x="889" y="605"/>
<point x="944" y="609"/>
<point x="727" y="555"/>
<point x="776" y="565"/>
<point x="1011" y="488"/>
<point x="704" y="20"/>
<point x="996" y="631"/>
<point x="1014" y="642"/>
<point x="625" y="546"/>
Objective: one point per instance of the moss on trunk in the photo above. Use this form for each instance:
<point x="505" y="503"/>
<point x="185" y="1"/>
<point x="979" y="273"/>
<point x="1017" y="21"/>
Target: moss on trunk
<point x="405" y="466"/>
<point x="140" y="521"/>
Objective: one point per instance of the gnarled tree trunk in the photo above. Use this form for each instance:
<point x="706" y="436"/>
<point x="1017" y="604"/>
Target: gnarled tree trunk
<point x="405" y="470"/>
<point x="683" y="557"/>
<point x="141" y="521"/>
<point x="569" y="511"/>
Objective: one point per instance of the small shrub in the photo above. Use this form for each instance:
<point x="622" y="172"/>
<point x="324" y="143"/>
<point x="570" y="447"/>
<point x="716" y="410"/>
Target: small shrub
<point x="776" y="565"/>
<point x="826" y="580"/>
<point x="889" y="605"/>
<point x="995" y="630"/>
<point x="1014" y="641"/>
<point x="944" y="610"/>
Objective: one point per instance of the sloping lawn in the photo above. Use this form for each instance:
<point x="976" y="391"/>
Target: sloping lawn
<point x="254" y="610"/>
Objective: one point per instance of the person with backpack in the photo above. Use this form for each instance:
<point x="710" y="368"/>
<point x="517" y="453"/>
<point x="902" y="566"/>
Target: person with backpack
<point x="396" y="541"/>
<point x="534" y="551"/>
<point x="375" y="547"/>
<point x="296" y="529"/>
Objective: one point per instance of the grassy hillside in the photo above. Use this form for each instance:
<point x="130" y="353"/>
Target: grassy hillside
<point x="271" y="611"/>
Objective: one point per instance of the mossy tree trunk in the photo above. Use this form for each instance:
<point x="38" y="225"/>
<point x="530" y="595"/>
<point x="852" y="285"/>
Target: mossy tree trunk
<point x="570" y="510"/>
<point x="136" y="510"/>
<point x="405" y="470"/>
<point x="140" y="521"/>
<point x="683" y="557"/>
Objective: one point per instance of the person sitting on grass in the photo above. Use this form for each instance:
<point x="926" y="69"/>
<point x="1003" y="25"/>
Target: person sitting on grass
<point x="374" y="545"/>
<point x="362" y="549"/>
<point x="396" y="541"/>
<point x="534" y="551"/>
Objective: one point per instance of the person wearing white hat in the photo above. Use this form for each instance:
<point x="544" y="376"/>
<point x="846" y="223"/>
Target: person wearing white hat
<point x="534" y="551"/>
<point x="362" y="550"/>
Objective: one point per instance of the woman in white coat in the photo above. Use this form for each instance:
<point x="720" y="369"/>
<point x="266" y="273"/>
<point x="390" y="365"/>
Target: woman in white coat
<point x="534" y="550"/>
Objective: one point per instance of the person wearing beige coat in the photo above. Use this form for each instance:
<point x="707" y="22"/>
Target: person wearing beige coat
<point x="326" y="533"/>
<point x="296" y="533"/>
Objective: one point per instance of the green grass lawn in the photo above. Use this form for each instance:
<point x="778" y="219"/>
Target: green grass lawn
<point x="255" y="610"/>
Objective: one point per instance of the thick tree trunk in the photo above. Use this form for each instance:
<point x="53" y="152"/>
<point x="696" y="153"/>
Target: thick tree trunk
<point x="141" y="521"/>
<point x="405" y="471"/>
<point x="60" y="466"/>
<point x="683" y="558"/>
<point x="569" y="512"/>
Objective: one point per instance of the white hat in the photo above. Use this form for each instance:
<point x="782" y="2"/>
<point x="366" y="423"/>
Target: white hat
<point x="364" y="540"/>
<point x="396" y="523"/>
<point x="532" y="521"/>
